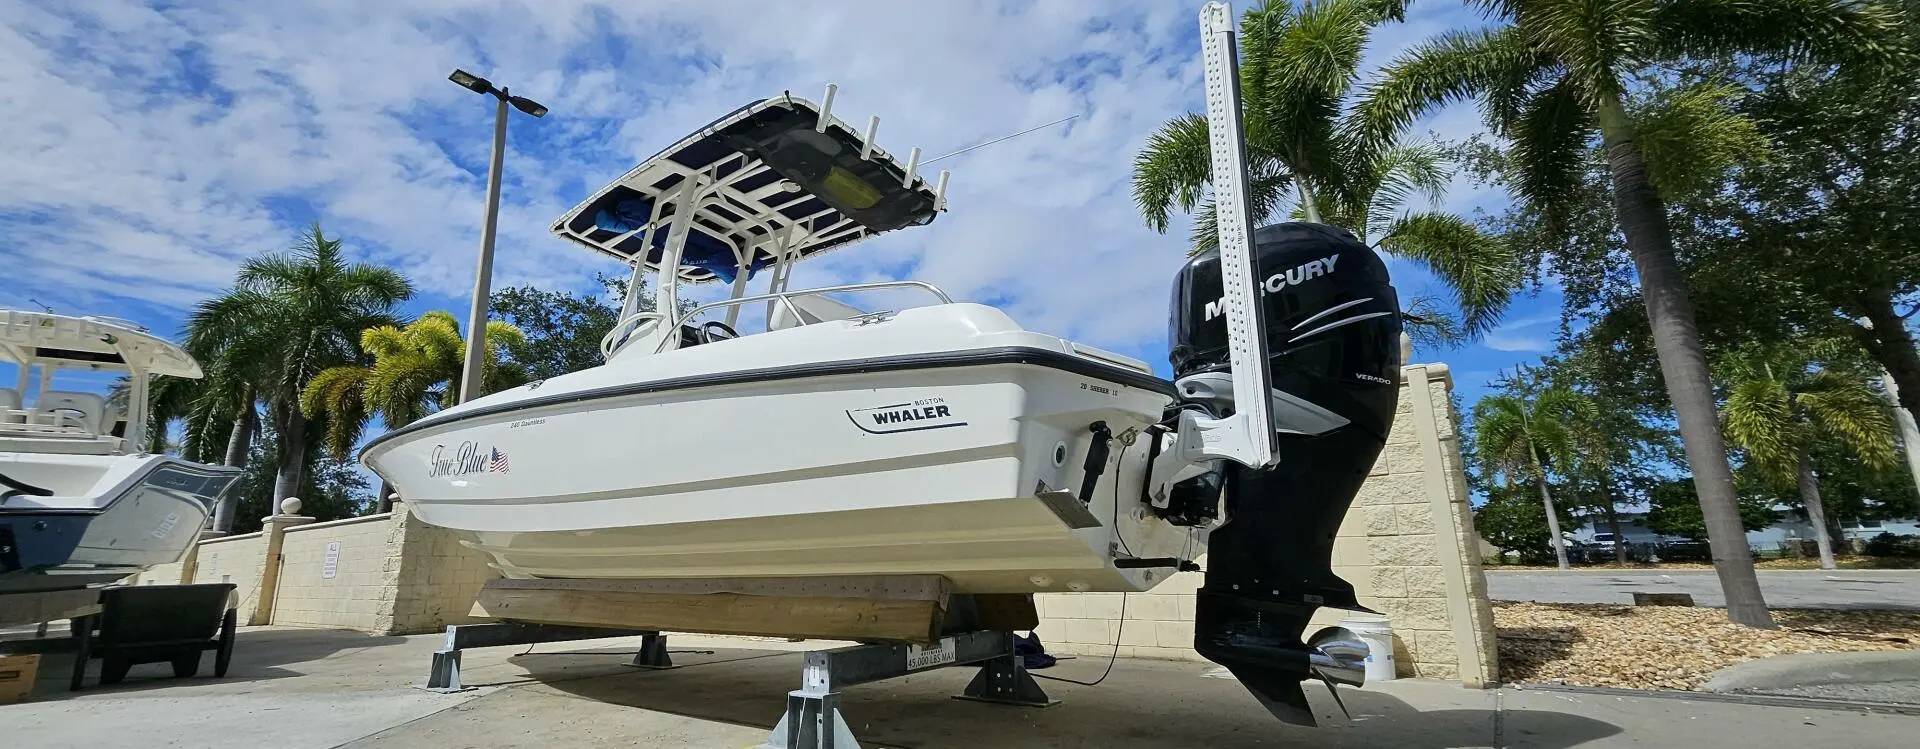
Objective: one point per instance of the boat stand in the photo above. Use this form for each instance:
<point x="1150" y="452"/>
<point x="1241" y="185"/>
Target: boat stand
<point x="445" y="673"/>
<point x="813" y="719"/>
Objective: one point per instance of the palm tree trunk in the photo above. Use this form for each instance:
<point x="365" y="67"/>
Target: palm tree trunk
<point x="1553" y="524"/>
<point x="242" y="436"/>
<point x="293" y="453"/>
<point x="1309" y="204"/>
<point x="1892" y="346"/>
<point x="1816" y="512"/>
<point x="1643" y="219"/>
<point x="1613" y="520"/>
<point x="1553" y="518"/>
<point x="238" y="443"/>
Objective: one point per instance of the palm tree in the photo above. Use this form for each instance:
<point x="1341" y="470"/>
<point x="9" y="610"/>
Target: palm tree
<point x="1779" y="406"/>
<point x="1298" y="70"/>
<point x="1554" y="73"/>
<point x="288" y="317"/>
<point x="1524" y="440"/>
<point x="414" y="370"/>
<point x="1598" y="452"/>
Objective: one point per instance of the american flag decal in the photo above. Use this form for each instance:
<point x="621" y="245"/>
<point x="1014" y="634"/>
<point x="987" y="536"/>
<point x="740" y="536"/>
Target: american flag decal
<point x="497" y="463"/>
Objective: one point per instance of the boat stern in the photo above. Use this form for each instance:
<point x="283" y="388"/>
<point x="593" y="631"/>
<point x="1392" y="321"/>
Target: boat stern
<point x="137" y="512"/>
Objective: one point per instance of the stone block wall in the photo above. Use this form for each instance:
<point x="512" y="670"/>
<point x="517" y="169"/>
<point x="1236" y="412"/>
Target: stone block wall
<point x="392" y="574"/>
<point x="1407" y="546"/>
<point x="307" y="596"/>
<point x="429" y="581"/>
<point x="240" y="560"/>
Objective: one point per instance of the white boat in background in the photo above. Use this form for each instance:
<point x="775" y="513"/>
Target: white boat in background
<point x="80" y="503"/>
<point x="885" y="429"/>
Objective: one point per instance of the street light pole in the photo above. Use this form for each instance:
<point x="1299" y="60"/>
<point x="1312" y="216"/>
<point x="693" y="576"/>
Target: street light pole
<point x="472" y="370"/>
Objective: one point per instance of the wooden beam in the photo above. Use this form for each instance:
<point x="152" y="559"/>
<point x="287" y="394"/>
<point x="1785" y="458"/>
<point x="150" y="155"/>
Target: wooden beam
<point x="1007" y="612"/>
<point x="879" y="609"/>
<point x="34" y="608"/>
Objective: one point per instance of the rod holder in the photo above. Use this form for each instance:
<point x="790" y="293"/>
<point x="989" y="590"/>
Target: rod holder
<point x="866" y="143"/>
<point x="940" y="191"/>
<point x="826" y="108"/>
<point x="913" y="164"/>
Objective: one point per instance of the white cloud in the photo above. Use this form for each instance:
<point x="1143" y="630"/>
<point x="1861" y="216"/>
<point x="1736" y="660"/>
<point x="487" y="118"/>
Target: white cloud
<point x="149" y="151"/>
<point x="1523" y="334"/>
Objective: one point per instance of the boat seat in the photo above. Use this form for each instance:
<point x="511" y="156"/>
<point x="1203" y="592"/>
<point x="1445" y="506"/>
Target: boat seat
<point x="86" y="409"/>
<point x="812" y="309"/>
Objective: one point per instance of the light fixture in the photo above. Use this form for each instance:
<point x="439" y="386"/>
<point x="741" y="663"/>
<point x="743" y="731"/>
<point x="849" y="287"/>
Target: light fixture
<point x="527" y="105"/>
<point x="471" y="82"/>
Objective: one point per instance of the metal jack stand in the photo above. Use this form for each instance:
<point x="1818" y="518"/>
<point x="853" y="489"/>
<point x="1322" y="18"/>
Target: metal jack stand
<point x="653" y="653"/>
<point x="445" y="674"/>
<point x="813" y="719"/>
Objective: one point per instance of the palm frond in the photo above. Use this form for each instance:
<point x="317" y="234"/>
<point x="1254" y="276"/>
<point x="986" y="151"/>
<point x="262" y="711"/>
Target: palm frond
<point x="1847" y="410"/>
<point x="1267" y="185"/>
<point x="1430" y="326"/>
<point x="1172" y="171"/>
<point x="1452" y="67"/>
<point x="1396" y="177"/>
<point x="1691" y="136"/>
<point x="1502" y="436"/>
<point x="1549" y="143"/>
<point x="1758" y="417"/>
<point x="1482" y="270"/>
<point x="1793" y="31"/>
<point x="1560" y="417"/>
<point x="1311" y="59"/>
<point x="335" y="397"/>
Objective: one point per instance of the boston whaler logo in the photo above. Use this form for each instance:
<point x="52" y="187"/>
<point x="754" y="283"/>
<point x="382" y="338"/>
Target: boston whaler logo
<point x="920" y="415"/>
<point x="468" y="458"/>
<point x="1278" y="281"/>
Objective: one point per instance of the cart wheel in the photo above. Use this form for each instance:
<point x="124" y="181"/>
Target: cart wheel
<point x="186" y="665"/>
<point x="225" y="655"/>
<point x="113" y="669"/>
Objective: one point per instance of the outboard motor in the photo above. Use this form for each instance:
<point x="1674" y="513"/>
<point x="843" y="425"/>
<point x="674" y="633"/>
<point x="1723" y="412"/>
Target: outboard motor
<point x="1333" y="329"/>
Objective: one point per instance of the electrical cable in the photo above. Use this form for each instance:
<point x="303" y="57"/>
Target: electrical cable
<point x="1110" y="659"/>
<point x="1116" y="504"/>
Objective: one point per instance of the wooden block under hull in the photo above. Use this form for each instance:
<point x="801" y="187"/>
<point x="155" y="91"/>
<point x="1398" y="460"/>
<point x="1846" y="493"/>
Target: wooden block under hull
<point x="872" y="609"/>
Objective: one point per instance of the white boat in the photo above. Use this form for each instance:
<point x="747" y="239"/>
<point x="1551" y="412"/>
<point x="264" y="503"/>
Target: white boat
<point x="884" y="428"/>
<point x="80" y="502"/>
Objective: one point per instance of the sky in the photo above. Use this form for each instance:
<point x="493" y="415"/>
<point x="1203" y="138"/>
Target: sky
<point x="150" y="147"/>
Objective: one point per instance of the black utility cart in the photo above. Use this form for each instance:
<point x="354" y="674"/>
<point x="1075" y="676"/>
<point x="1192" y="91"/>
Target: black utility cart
<point x="156" y="624"/>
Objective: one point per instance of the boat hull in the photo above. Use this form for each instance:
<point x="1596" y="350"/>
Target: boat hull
<point x="137" y="512"/>
<point x="940" y="463"/>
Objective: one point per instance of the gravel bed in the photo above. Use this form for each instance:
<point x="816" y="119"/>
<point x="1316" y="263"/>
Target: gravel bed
<point x="1671" y="647"/>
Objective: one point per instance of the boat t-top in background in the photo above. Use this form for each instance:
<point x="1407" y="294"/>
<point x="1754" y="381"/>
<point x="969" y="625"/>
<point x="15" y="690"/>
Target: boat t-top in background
<point x="850" y="438"/>
<point x="81" y="502"/>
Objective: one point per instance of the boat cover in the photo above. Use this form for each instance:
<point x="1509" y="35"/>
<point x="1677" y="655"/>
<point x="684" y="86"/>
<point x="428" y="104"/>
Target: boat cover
<point x="766" y="177"/>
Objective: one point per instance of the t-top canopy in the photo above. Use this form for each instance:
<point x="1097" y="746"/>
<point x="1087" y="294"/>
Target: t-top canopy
<point x="776" y="176"/>
<point x="94" y="342"/>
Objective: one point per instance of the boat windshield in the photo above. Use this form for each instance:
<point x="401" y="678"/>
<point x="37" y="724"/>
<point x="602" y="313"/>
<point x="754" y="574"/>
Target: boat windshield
<point x="66" y="404"/>
<point x="747" y="315"/>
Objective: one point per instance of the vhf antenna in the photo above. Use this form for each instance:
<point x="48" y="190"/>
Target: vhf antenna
<point x="1001" y="138"/>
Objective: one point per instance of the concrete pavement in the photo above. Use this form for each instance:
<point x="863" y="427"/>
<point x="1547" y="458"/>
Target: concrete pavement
<point x="1891" y="677"/>
<point x="1800" y="589"/>
<point x="295" y="689"/>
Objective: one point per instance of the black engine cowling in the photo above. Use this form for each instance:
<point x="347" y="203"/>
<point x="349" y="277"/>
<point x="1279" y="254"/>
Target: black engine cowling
<point x="1333" y="328"/>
